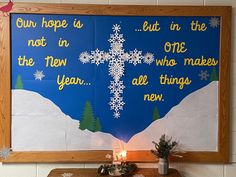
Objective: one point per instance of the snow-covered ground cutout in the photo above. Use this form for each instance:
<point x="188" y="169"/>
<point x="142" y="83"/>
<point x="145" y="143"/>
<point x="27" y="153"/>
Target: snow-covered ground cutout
<point x="38" y="124"/>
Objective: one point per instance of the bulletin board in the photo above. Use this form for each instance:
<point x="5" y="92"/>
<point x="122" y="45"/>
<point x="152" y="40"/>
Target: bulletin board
<point x="79" y="82"/>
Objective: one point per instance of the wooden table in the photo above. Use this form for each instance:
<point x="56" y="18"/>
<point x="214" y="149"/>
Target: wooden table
<point x="92" y="172"/>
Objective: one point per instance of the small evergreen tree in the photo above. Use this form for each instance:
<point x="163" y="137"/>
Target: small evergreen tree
<point x="214" y="75"/>
<point x="97" y="126"/>
<point x="87" y="120"/>
<point x="155" y="114"/>
<point x="19" y="84"/>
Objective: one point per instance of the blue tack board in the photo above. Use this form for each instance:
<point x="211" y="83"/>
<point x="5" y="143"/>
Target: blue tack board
<point x="114" y="59"/>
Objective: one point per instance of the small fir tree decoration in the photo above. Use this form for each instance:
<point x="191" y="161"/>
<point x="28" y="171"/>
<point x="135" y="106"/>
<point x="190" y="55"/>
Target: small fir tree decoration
<point x="156" y="114"/>
<point x="19" y="83"/>
<point x="97" y="126"/>
<point x="87" y="121"/>
<point x="214" y="75"/>
<point x="164" y="147"/>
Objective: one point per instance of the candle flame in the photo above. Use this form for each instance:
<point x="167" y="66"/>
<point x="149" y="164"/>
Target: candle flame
<point x="123" y="154"/>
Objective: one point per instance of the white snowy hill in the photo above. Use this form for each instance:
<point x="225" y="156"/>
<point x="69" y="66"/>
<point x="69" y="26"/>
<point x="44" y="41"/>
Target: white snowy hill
<point x="194" y="122"/>
<point x="38" y="124"/>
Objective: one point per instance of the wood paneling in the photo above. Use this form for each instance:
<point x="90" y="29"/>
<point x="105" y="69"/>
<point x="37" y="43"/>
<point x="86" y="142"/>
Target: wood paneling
<point x="5" y="95"/>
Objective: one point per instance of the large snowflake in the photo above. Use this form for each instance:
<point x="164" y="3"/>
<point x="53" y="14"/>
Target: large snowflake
<point x="116" y="38"/>
<point x="116" y="58"/>
<point x="116" y="103"/>
<point x="117" y="48"/>
<point x="116" y="70"/>
<point x="116" y="87"/>
<point x="135" y="57"/>
<point x="148" y="58"/>
<point x="84" y="57"/>
<point x="97" y="57"/>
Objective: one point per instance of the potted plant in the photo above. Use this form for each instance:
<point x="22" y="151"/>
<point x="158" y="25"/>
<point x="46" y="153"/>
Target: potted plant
<point x="163" y="149"/>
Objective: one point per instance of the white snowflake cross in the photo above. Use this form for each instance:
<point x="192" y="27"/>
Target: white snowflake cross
<point x="116" y="58"/>
<point x="203" y="75"/>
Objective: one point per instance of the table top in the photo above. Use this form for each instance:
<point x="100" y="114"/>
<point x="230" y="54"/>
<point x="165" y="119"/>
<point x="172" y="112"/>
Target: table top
<point x="92" y="172"/>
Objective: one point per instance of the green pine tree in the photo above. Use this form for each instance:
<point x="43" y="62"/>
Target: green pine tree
<point x="155" y="114"/>
<point x="214" y="75"/>
<point x="97" y="126"/>
<point x="87" y="120"/>
<point x="19" y="83"/>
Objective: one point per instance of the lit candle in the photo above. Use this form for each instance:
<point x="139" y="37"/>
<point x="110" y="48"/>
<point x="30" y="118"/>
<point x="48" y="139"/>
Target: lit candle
<point x="116" y="158"/>
<point x="123" y="155"/>
<point x="119" y="153"/>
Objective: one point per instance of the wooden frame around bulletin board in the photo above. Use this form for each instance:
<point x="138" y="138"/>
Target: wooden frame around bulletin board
<point x="221" y="156"/>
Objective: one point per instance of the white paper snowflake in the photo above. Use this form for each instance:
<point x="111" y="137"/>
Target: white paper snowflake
<point x="116" y="70"/>
<point x="116" y="104"/>
<point x="148" y="58"/>
<point x="97" y="57"/>
<point x="116" y="114"/>
<point x="117" y="48"/>
<point x="117" y="58"/>
<point x="38" y="75"/>
<point x="4" y="153"/>
<point x="203" y="75"/>
<point x="214" y="22"/>
<point x="116" y="28"/>
<point x="84" y="57"/>
<point x="135" y="57"/>
<point x="125" y="56"/>
<point x="116" y="38"/>
<point x="106" y="56"/>
<point x="116" y="87"/>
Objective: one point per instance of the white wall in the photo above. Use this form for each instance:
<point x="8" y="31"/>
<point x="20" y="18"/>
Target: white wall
<point x="187" y="170"/>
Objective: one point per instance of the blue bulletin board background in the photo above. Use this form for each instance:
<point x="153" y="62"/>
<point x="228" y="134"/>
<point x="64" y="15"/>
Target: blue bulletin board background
<point x="136" y="113"/>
